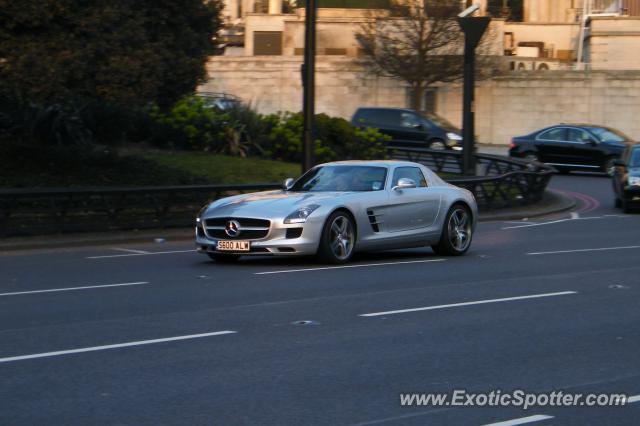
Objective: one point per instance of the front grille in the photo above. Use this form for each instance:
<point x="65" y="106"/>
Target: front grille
<point x="243" y="221"/>
<point x="243" y="235"/>
<point x="249" y="229"/>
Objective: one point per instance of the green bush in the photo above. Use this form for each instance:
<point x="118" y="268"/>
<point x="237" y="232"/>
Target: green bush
<point x="190" y="125"/>
<point x="335" y="139"/>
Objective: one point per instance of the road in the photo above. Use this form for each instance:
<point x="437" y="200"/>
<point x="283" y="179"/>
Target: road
<point x="157" y="334"/>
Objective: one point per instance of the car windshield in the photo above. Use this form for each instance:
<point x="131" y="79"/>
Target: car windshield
<point x="439" y="121"/>
<point x="634" y="161"/>
<point x="608" y="135"/>
<point x="342" y="178"/>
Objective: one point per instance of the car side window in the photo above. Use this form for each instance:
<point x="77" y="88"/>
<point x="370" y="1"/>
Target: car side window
<point x="413" y="173"/>
<point x="557" y="134"/>
<point x="579" y="135"/>
<point x="409" y="120"/>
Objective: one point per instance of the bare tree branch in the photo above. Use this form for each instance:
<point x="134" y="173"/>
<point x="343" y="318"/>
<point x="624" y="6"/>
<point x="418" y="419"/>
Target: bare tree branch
<point x="417" y="41"/>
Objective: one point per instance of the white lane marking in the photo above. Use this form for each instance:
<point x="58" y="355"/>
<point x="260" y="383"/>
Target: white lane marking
<point x="88" y="287"/>
<point x="520" y="222"/>
<point x="139" y="254"/>
<point x="583" y="250"/>
<point x="477" y="302"/>
<point x="632" y="399"/>
<point x="553" y="222"/>
<point x="575" y="215"/>
<point x="114" y="346"/>
<point x="129" y="250"/>
<point x="522" y="420"/>
<point x="347" y="266"/>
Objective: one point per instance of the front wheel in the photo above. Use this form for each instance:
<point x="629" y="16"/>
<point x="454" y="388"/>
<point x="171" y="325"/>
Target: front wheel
<point x="438" y="144"/>
<point x="338" y="238"/>
<point x="456" y="234"/>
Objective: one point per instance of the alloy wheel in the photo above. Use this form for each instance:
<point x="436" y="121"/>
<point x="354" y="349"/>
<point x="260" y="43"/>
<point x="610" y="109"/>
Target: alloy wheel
<point x="341" y="237"/>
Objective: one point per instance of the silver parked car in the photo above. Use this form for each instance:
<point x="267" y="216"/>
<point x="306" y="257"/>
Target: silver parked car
<point x="336" y="209"/>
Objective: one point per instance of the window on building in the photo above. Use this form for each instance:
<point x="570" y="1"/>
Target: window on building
<point x="429" y="100"/>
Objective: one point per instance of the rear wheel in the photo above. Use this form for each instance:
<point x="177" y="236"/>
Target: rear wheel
<point x="223" y="258"/>
<point x="457" y="232"/>
<point x="531" y="157"/>
<point x="338" y="238"/>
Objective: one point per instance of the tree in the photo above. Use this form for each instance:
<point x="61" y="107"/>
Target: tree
<point x="122" y="52"/>
<point x="417" y="41"/>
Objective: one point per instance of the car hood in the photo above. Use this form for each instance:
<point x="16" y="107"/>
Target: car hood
<point x="268" y="204"/>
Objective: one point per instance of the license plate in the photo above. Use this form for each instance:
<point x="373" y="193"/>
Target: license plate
<point x="233" y="246"/>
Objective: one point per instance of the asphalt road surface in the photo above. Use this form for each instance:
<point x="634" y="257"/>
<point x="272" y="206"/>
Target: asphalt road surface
<point x="155" y="334"/>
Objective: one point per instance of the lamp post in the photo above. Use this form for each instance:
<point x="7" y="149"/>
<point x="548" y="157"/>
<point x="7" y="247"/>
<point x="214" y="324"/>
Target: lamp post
<point x="473" y="29"/>
<point x="308" y="83"/>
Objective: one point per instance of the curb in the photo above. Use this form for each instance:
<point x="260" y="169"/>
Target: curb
<point x="552" y="202"/>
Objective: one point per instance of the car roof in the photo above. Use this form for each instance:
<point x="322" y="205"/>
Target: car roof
<point x="385" y="163"/>
<point x="385" y="109"/>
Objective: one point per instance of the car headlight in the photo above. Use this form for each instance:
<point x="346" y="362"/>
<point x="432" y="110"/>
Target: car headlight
<point x="454" y="136"/>
<point x="634" y="180"/>
<point x="301" y="215"/>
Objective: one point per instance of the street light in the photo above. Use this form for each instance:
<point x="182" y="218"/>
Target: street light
<point x="473" y="29"/>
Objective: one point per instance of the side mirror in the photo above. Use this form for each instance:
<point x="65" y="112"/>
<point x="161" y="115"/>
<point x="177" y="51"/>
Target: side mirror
<point x="288" y="184"/>
<point x="404" y="183"/>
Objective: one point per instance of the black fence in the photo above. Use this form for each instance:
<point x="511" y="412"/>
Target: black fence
<point x="47" y="211"/>
<point x="503" y="183"/>
<point x="500" y="182"/>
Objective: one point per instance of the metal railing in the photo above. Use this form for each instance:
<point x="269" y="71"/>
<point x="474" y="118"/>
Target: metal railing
<point x="502" y="182"/>
<point x="49" y="211"/>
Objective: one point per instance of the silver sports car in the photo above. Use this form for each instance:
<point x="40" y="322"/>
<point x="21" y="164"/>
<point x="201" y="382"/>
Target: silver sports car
<point x="336" y="209"/>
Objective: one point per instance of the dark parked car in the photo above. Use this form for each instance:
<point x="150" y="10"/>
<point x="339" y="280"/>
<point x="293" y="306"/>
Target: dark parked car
<point x="223" y="101"/>
<point x="626" y="178"/>
<point x="409" y="128"/>
<point x="568" y="147"/>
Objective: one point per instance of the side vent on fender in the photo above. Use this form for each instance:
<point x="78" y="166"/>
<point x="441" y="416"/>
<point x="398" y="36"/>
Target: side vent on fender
<point x="374" y="221"/>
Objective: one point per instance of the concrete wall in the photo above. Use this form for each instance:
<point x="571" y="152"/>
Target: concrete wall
<point x="271" y="84"/>
<point x="614" y="43"/>
<point x="505" y="107"/>
<point x="523" y="102"/>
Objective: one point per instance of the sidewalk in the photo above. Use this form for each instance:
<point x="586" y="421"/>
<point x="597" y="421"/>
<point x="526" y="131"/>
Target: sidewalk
<point x="552" y="202"/>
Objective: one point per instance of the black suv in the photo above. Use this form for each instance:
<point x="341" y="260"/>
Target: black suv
<point x="626" y="178"/>
<point x="567" y="147"/>
<point x="409" y="128"/>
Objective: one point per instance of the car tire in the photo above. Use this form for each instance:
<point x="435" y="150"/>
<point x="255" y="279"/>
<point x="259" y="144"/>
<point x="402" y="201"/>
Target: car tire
<point x="338" y="239"/>
<point x="626" y="207"/>
<point x="617" y="202"/>
<point x="530" y="156"/>
<point x="457" y="232"/>
<point x="223" y="258"/>
<point x="609" y="166"/>
<point x="437" y="144"/>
